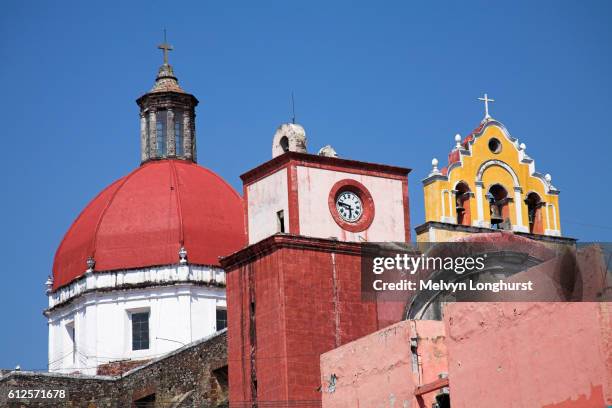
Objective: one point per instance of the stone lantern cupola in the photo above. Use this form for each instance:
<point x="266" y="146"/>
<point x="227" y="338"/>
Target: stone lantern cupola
<point x="167" y="117"/>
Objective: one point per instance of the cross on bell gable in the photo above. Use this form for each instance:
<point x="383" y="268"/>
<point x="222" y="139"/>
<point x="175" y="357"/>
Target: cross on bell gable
<point x="486" y="101"/>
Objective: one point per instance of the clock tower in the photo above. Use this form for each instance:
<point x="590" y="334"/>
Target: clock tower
<point x="295" y="291"/>
<point x="324" y="196"/>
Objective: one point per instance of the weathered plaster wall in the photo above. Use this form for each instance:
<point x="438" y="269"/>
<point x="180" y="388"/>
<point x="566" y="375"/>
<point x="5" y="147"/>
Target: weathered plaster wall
<point x="314" y="186"/>
<point x="265" y="198"/>
<point x="530" y="354"/>
<point x="382" y="370"/>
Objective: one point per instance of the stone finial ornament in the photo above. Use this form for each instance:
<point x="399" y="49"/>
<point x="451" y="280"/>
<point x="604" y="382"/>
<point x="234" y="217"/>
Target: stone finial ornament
<point x="434" y="165"/>
<point x="182" y="256"/>
<point x="523" y="146"/>
<point x="49" y="284"/>
<point x="548" y="179"/>
<point x="166" y="81"/>
<point x="91" y="263"/>
<point x="328" y="151"/>
<point x="458" y="141"/>
<point x="289" y="137"/>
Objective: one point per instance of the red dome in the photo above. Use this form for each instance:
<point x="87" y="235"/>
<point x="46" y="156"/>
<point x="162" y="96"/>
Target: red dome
<point x="144" y="218"/>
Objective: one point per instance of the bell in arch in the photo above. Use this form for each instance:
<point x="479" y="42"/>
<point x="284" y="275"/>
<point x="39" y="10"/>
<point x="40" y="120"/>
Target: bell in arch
<point x="497" y="196"/>
<point x="459" y="202"/>
<point x="462" y="194"/>
<point x="496" y="210"/>
<point x="496" y="217"/>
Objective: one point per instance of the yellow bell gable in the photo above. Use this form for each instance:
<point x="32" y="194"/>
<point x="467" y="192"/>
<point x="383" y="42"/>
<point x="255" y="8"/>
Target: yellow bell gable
<point x="489" y="182"/>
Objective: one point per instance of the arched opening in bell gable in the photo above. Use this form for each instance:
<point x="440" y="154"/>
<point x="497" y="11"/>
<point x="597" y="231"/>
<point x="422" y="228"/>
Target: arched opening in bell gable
<point x="534" y="211"/>
<point x="499" y="207"/>
<point x="462" y="203"/>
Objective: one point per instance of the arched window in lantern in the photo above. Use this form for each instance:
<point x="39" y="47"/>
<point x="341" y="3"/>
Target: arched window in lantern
<point x="498" y="205"/>
<point x="462" y="203"/>
<point x="534" y="211"/>
<point x="178" y="134"/>
<point x="161" y="123"/>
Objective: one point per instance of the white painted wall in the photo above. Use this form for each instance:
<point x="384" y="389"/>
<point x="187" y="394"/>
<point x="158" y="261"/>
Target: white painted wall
<point x="314" y="186"/>
<point x="265" y="198"/>
<point x="183" y="312"/>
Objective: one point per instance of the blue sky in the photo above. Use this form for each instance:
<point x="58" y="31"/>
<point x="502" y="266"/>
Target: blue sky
<point x="389" y="82"/>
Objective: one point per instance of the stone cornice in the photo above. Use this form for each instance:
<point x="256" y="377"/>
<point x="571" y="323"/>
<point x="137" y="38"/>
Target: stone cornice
<point x="135" y="279"/>
<point x="278" y="241"/>
<point x="166" y="99"/>
<point x="325" y="162"/>
<point x="472" y="229"/>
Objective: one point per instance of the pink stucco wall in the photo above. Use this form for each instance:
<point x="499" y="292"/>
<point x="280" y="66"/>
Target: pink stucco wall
<point x="314" y="186"/>
<point x="378" y="370"/>
<point x="529" y="354"/>
<point x="265" y="198"/>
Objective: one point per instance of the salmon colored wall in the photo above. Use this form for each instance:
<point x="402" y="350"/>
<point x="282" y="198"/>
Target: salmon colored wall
<point x="378" y="371"/>
<point x="554" y="355"/>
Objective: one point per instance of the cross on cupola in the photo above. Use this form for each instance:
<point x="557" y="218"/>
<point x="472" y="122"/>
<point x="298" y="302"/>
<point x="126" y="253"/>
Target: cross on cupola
<point x="486" y="101"/>
<point x="165" y="47"/>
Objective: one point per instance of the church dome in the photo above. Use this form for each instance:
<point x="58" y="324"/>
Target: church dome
<point x="146" y="217"/>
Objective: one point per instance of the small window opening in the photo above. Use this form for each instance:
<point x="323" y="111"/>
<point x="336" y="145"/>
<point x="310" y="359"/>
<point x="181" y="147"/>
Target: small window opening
<point x="221" y="375"/>
<point x="442" y="400"/>
<point x="220" y="385"/>
<point x="145" y="402"/>
<point x="495" y="145"/>
<point x="221" y="319"/>
<point x="280" y="220"/>
<point x="284" y="142"/>
<point x="140" y="331"/>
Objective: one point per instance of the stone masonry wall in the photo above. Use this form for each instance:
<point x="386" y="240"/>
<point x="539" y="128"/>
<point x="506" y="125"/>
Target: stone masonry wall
<point x="192" y="376"/>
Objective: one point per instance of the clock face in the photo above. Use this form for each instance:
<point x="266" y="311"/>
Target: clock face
<point x="349" y="206"/>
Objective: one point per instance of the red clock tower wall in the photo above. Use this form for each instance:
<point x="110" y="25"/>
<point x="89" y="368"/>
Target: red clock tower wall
<point x="295" y="291"/>
<point x="290" y="299"/>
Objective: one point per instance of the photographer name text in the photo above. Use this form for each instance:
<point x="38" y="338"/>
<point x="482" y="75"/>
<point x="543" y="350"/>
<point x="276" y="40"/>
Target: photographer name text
<point x="408" y="285"/>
